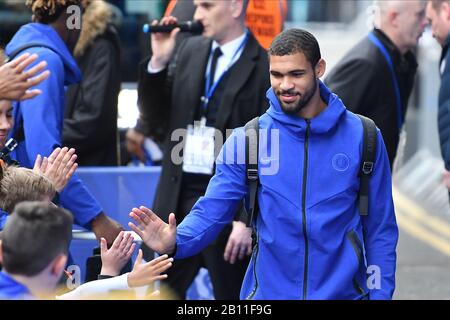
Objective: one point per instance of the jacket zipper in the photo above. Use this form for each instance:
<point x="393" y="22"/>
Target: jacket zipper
<point x="305" y="175"/>
<point x="252" y="294"/>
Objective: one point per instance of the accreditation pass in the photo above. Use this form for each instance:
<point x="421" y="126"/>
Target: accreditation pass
<point x="198" y="152"/>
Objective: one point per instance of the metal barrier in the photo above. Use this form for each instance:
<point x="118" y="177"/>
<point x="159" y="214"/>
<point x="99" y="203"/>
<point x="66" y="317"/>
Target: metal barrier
<point x="119" y="189"/>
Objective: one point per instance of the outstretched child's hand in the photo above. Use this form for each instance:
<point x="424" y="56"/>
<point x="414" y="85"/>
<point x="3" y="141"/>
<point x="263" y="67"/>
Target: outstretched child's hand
<point x="114" y="259"/>
<point x="144" y="274"/>
<point x="59" y="167"/>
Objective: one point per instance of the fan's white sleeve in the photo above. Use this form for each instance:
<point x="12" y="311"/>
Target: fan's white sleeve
<point x="97" y="287"/>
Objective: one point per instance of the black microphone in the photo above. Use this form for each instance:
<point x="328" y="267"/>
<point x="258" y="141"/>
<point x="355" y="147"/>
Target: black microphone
<point x="195" y="27"/>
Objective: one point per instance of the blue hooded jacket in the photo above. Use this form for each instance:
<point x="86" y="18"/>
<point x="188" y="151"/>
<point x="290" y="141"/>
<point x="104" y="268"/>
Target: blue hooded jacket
<point x="312" y="242"/>
<point x="42" y="117"/>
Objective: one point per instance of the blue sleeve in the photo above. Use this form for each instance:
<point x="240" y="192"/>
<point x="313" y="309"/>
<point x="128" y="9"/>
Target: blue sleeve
<point x="43" y="120"/>
<point x="218" y="207"/>
<point x="380" y="229"/>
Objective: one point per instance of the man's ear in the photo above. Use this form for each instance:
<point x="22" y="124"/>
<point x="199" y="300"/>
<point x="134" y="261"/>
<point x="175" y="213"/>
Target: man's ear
<point x="445" y="10"/>
<point x="320" y="68"/>
<point x="392" y="17"/>
<point x="58" y="264"/>
<point x="237" y="7"/>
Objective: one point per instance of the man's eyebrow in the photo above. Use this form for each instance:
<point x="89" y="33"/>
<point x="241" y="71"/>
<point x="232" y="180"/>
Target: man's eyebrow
<point x="290" y="71"/>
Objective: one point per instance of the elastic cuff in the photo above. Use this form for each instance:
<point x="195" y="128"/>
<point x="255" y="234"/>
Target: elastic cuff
<point x="152" y="70"/>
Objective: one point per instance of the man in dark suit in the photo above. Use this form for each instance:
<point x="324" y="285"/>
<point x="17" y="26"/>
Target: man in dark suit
<point x="438" y="13"/>
<point x="220" y="83"/>
<point x="364" y="80"/>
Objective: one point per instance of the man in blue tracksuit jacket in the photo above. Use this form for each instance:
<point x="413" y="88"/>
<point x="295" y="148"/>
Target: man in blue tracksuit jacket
<point x="311" y="241"/>
<point x="38" y="122"/>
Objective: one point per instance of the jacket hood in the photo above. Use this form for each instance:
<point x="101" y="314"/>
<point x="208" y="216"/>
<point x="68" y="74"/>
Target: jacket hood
<point x="96" y="18"/>
<point x="39" y="33"/>
<point x="322" y="123"/>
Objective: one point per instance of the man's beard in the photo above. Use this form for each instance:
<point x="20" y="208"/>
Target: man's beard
<point x="301" y="103"/>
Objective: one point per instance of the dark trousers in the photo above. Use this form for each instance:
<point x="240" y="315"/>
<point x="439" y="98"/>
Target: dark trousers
<point x="226" y="278"/>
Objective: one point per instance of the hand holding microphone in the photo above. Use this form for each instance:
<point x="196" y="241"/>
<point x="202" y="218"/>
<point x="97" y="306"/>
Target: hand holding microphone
<point x="163" y="35"/>
<point x="194" y="27"/>
<point x="163" y="43"/>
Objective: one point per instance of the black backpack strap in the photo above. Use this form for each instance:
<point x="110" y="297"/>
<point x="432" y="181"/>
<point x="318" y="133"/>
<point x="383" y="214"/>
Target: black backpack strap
<point x="16" y="52"/>
<point x="251" y="162"/>
<point x="367" y="162"/>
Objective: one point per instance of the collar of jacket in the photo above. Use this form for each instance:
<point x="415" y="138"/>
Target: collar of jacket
<point x="251" y="49"/>
<point x="240" y="73"/>
<point x="447" y="41"/>
<point x="403" y="63"/>
<point x="96" y="18"/>
<point x="45" y="34"/>
<point x="11" y="289"/>
<point x="321" y="124"/>
<point x="445" y="48"/>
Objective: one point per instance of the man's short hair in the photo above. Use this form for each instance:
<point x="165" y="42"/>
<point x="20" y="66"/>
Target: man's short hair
<point x="22" y="184"/>
<point x="437" y="4"/>
<point x="293" y="41"/>
<point x="34" y="235"/>
<point x="48" y="11"/>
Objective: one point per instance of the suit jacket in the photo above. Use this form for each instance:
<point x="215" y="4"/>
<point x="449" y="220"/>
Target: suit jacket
<point x="444" y="106"/>
<point x="363" y="81"/>
<point x="167" y="106"/>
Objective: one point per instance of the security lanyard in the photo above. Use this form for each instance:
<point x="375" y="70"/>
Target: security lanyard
<point x="388" y="59"/>
<point x="209" y="91"/>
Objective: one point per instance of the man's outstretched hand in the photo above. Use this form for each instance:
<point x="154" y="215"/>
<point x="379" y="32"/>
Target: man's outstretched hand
<point x="155" y="233"/>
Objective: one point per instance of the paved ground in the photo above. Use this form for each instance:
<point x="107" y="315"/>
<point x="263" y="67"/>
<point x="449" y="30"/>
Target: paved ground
<point x="423" y="268"/>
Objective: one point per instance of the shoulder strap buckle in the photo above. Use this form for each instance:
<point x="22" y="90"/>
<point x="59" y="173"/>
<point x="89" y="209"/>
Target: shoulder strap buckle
<point x="252" y="174"/>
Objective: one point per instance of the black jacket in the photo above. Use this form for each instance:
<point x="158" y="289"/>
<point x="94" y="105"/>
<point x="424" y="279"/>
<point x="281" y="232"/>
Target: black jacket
<point x="167" y="106"/>
<point x="90" y="119"/>
<point x="363" y="81"/>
